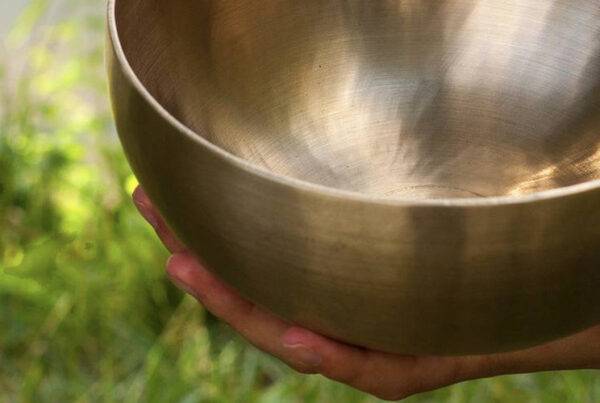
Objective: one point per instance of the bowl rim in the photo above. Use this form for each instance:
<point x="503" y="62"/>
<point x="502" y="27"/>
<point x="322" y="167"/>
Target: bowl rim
<point x="314" y="188"/>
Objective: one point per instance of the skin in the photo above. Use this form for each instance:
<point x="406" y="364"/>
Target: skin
<point x="386" y="376"/>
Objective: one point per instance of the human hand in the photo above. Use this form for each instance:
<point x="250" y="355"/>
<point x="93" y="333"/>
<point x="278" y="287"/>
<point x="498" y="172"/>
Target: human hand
<point x="387" y="376"/>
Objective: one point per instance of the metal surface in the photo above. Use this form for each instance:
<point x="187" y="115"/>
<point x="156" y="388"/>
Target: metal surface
<point x="411" y="176"/>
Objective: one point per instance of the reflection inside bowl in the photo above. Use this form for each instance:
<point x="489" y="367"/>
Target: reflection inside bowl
<point x="403" y="99"/>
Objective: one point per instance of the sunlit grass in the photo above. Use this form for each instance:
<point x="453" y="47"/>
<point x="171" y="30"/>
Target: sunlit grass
<point x="86" y="314"/>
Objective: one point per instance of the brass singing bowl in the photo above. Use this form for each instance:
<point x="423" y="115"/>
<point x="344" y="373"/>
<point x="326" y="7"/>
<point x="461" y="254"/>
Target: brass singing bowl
<point x="417" y="177"/>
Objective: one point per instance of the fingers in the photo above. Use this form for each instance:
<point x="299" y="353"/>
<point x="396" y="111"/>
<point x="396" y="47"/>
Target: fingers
<point x="384" y="375"/>
<point x="259" y="327"/>
<point x="387" y="376"/>
<point x="147" y="210"/>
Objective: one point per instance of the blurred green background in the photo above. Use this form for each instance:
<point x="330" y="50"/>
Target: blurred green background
<point x="86" y="314"/>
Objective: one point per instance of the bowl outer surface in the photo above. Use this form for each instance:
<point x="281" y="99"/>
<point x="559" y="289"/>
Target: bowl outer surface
<point x="403" y="278"/>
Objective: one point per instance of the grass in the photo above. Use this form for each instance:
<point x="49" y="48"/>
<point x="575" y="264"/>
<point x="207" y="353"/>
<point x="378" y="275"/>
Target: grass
<point x="86" y="314"/>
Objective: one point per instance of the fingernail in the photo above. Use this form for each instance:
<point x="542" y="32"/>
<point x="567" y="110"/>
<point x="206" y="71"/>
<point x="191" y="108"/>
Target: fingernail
<point x="304" y="355"/>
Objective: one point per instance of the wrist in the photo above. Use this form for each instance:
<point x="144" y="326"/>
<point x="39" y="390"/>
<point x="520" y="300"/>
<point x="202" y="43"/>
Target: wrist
<point x="579" y="351"/>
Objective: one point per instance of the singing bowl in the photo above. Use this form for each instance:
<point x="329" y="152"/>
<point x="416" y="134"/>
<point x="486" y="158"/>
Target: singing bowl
<point x="416" y="177"/>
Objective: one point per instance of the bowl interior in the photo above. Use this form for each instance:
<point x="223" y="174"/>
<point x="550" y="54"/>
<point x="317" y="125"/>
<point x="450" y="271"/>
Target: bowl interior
<point x="414" y="99"/>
